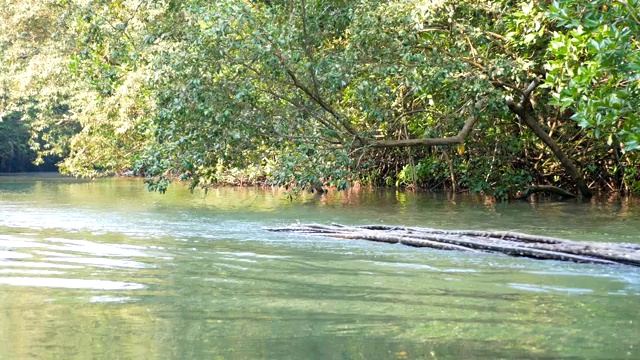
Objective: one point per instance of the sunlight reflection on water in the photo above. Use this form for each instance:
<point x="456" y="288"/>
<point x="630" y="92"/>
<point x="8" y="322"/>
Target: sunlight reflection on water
<point x="70" y="283"/>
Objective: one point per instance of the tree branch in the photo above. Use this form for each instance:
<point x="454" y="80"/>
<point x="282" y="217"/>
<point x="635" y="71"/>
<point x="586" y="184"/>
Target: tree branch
<point x="296" y="82"/>
<point x="511" y="86"/>
<point x="450" y="140"/>
<point x="324" y="121"/>
<point x="524" y="110"/>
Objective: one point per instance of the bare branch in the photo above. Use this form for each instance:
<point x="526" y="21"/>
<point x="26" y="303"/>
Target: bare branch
<point x="433" y="28"/>
<point x="410" y="112"/>
<point x="495" y="35"/>
<point x="532" y="86"/>
<point x="511" y="86"/>
<point x="450" y="140"/>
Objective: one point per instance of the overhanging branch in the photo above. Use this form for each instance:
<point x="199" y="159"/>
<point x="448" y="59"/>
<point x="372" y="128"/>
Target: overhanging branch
<point x="312" y="96"/>
<point x="449" y="140"/>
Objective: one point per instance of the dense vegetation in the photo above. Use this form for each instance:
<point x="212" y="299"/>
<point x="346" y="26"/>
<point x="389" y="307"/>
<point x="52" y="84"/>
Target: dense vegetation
<point x="485" y="96"/>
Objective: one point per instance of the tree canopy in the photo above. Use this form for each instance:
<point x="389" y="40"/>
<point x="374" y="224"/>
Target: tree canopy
<point x="486" y="96"/>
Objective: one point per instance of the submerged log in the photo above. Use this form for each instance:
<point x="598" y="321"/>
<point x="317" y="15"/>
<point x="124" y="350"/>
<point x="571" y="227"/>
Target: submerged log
<point x="506" y="242"/>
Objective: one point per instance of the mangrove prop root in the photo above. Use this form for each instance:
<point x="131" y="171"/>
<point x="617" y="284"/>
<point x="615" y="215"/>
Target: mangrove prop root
<point x="534" y="189"/>
<point x="506" y="242"/>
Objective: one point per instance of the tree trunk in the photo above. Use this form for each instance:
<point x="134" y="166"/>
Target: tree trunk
<point x="524" y="111"/>
<point x="449" y="140"/>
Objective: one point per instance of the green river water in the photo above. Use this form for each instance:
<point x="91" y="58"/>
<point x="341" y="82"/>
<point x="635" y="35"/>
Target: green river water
<point x="106" y="270"/>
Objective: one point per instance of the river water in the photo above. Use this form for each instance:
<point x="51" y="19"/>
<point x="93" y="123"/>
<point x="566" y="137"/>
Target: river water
<point x="104" y="269"/>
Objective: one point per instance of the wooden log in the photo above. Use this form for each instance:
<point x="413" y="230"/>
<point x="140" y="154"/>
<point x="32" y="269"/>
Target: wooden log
<point x="508" y="248"/>
<point x="629" y="257"/>
<point x="506" y="242"/>
<point x="405" y="241"/>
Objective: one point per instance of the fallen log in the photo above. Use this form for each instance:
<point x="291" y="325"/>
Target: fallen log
<point x="505" y="242"/>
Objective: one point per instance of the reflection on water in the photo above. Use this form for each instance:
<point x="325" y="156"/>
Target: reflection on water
<point x="106" y="270"/>
<point x="56" y="282"/>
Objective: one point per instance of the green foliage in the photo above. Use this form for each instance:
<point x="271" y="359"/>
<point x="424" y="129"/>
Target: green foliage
<point x="35" y="92"/>
<point x="295" y="93"/>
<point x="594" y="67"/>
<point x="15" y="154"/>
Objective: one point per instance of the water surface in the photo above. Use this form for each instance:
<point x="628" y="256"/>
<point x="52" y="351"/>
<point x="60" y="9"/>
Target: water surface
<point x="104" y="269"/>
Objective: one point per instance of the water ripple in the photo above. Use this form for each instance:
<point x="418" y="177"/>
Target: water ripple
<point x="73" y="263"/>
<point x="100" y="262"/>
<point x="70" y="283"/>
